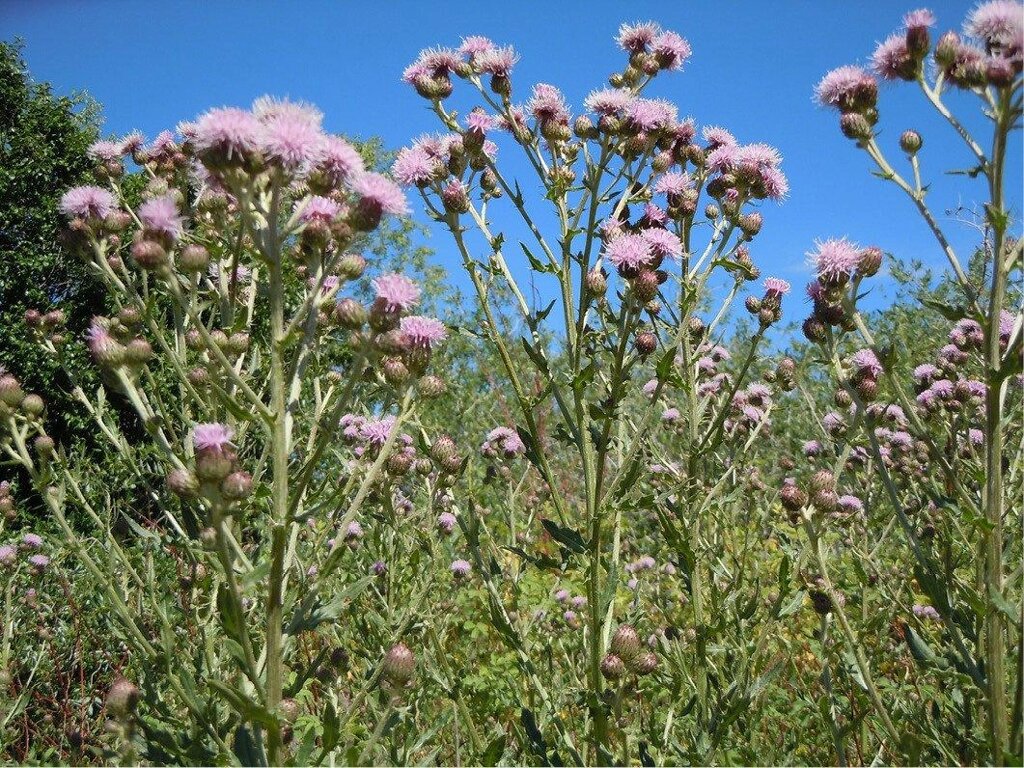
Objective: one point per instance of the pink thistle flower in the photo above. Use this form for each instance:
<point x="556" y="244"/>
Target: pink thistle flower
<point x="892" y="59"/>
<point x="132" y="142"/>
<point x="776" y="287"/>
<point x="631" y="251"/>
<point x="39" y="562"/>
<point x="291" y="139"/>
<point x="160" y="215"/>
<point x="434" y="62"/>
<point x="815" y="291"/>
<point x="670" y="415"/>
<point x="845" y="87"/>
<point x="866" y="363"/>
<point x="977" y="389"/>
<point x="212" y="438"/>
<point x="608" y="101"/>
<point x="636" y="37"/>
<point x="653" y="216"/>
<point x="671" y="50"/>
<point x="663" y="243"/>
<point x="548" y="103"/>
<point x="723" y="158"/>
<point x="32" y="541"/>
<point x="106" y="151"/>
<point x="943" y="389"/>
<point x="101" y="344"/>
<point x="480" y="122"/>
<point x="652" y="114"/>
<point x="321" y="209"/>
<point x="490" y="149"/>
<point x="719" y="353"/>
<point x="497" y="61"/>
<point x="650" y="387"/>
<point x="163" y="143"/>
<point x="267" y="109"/>
<point x="925" y="372"/>
<point x="397" y="292"/>
<point x="461" y="569"/>
<point x="229" y="132"/>
<point x="706" y="365"/>
<point x="423" y="331"/>
<point x="674" y="183"/>
<point x="414" y="167"/>
<point x="475" y="45"/>
<point x="377" y="432"/>
<point x="920" y="18"/>
<point x="8" y="555"/>
<point x="759" y="156"/>
<point x="1007" y="321"/>
<point x="976" y="436"/>
<point x="773" y="183"/>
<point x="381" y="192"/>
<point x="812" y="448"/>
<point x="833" y="423"/>
<point x="716" y="136"/>
<point x="851" y="504"/>
<point x="998" y="23"/>
<point x="87" y="202"/>
<point x="338" y="160"/>
<point x="835" y="259"/>
<point x="505" y="440"/>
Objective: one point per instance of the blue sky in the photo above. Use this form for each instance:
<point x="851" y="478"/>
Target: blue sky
<point x="753" y="70"/>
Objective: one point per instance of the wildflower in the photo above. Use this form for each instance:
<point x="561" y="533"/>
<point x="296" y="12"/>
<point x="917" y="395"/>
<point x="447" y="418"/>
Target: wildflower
<point x="776" y="287"/>
<point x="926" y="612"/>
<point x="380" y="194"/>
<point x="893" y="60"/>
<point x="39" y="563"/>
<point x="629" y="252"/>
<point x="337" y="162"/>
<point x="87" y="202"/>
<point x="612" y="667"/>
<point x="399" y="665"/>
<point x="505" y="440"/>
<point x="227" y="135"/>
<point x="291" y="138"/>
<point x="579" y="601"/>
<point x="377" y="432"/>
<point x="812" y="448"/>
<point x="608" y="102"/>
<point x="548" y="104"/>
<point x="160" y="216"/>
<point x="674" y="184"/>
<point x="670" y="50"/>
<point x="716" y="136"/>
<point x="320" y="209"/>
<point x="396" y="292"/>
<point x="866" y="364"/>
<point x="446" y="523"/>
<point x="652" y="114"/>
<point x="851" y="504"/>
<point x="32" y="541"/>
<point x="835" y="260"/>
<point x="212" y="438"/>
<point x="423" y="331"/>
<point x="8" y="555"/>
<point x="847" y="88"/>
<point x="635" y="38"/>
<point x="497" y="61"/>
<point x="670" y="415"/>
<point x="1000" y="23"/>
<point x="106" y="151"/>
<point x="562" y="595"/>
<point x="460" y="569"/>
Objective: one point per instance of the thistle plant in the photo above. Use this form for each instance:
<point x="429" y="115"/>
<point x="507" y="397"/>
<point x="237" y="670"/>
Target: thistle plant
<point x="637" y="221"/>
<point x="942" y="459"/>
<point x="279" y="410"/>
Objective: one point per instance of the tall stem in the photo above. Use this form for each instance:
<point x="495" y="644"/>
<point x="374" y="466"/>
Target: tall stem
<point x="279" y="490"/>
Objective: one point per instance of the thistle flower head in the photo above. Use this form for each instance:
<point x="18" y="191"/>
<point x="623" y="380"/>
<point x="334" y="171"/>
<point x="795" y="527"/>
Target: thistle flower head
<point x="414" y="166"/>
<point x="397" y="292"/>
<point x="635" y="38"/>
<point x="652" y="114"/>
<point x="228" y="132"/>
<point x="291" y="138"/>
<point x="920" y="18"/>
<point x="474" y="45"/>
<point x="106" y="151"/>
<point x="663" y="243"/>
<point x="630" y="251"/>
<point x="866" y="363"/>
<point x="999" y="23"/>
<point x="161" y="215"/>
<point x="846" y="87"/>
<point x="381" y="192"/>
<point x="674" y="183"/>
<point x="32" y="541"/>
<point x="87" y="202"/>
<point x="423" y="331"/>
<point x="460" y="568"/>
<point x="609" y="102"/>
<point x="338" y="160"/>
<point x="8" y="555"/>
<point x="835" y="259"/>
<point x="496" y="61"/>
<point x="776" y="287"/>
<point x="716" y="136"/>
<point x="671" y="50"/>
<point x="377" y="432"/>
<point x="892" y="59"/>
<point x="212" y="437"/>
<point x="322" y="209"/>
<point x="548" y="104"/>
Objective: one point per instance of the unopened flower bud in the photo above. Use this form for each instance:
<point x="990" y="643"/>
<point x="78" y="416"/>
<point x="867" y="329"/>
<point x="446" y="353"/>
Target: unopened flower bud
<point x="194" y="259"/>
<point x="596" y="283"/>
<point x="351" y="266"/>
<point x="237" y="486"/>
<point x="44" y="446"/>
<point x="855" y="126"/>
<point x="33" y="405"/>
<point x="149" y="254"/>
<point x="431" y="386"/>
<point x="612" y="667"/>
<point x="399" y="665"/>
<point x="815" y="331"/>
<point x="910" y="142"/>
<point x="792" y="498"/>
<point x="11" y="392"/>
<point x="644" y="664"/>
<point x="870" y="261"/>
<point x="625" y="642"/>
<point x="122" y="699"/>
<point x="645" y="343"/>
<point x="183" y="483"/>
<point x="138" y="352"/>
<point x="753" y="304"/>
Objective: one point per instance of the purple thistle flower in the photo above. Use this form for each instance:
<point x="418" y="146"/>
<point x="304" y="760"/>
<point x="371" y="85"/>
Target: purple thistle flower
<point x="719" y="353"/>
<point x="377" y="432"/>
<point x="354" y="531"/>
<point x="812" y="448"/>
<point x="378" y="568"/>
<point x="446" y="522"/>
<point x="845" y="86"/>
<point x="338" y="161"/>
<point x="8" y="555"/>
<point x="758" y="156"/>
<point x="548" y="103"/>
<point x="663" y="243"/>
<point x="231" y="132"/>
<point x="160" y="215"/>
<point x="106" y="151"/>
<point x="382" y="192"/>
<point x="497" y="61"/>
<point x="835" y="259"/>
<point x="654" y="216"/>
<point x="998" y="23"/>
<point x="579" y="601"/>
<point x="268" y="108"/>
<point x="652" y="114"/>
<point x="32" y="541"/>
<point x="851" y="504"/>
<point x="926" y="612"/>
<point x="321" y="209"/>
<point x="706" y="364"/>
<point x="631" y="251"/>
<point x="480" y="122"/>
<point x="87" y="202"/>
<point x="922" y="18"/>
<point x="608" y="101"/>
<point x="636" y="37"/>
<point x="925" y="372"/>
<point x="943" y="389"/>
<point x="397" y="292"/>
<point x="423" y="331"/>
<point x="776" y="287"/>
<point x="650" y="387"/>
<point x="212" y="438"/>
<point x="671" y="49"/>
<point x="715" y="136"/>
<point x="674" y="183"/>
<point x="414" y="167"/>
<point x="892" y="59"/>
<point x="562" y="595"/>
<point x="774" y="183"/>
<point x="867" y="363"/>
<point x="292" y="140"/>
<point x="460" y="569"/>
<point x="976" y="436"/>
<point x="670" y="415"/>
<point x="39" y="562"/>
<point x="475" y="44"/>
<point x="832" y="423"/>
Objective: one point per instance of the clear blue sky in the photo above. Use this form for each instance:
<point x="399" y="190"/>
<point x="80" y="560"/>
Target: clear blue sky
<point x="753" y="70"/>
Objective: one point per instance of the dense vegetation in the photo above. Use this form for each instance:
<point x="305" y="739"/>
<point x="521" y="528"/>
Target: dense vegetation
<point x="259" y="510"/>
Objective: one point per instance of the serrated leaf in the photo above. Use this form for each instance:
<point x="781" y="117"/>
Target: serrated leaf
<point x="567" y="537"/>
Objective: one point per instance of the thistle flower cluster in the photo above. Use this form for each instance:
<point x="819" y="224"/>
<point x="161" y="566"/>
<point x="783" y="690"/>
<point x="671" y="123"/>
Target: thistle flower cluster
<point x="626" y="654"/>
<point x="838" y="263"/>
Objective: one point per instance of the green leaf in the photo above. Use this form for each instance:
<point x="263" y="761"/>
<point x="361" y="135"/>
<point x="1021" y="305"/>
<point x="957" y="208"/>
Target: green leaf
<point x="567" y="537"/>
<point x="494" y="751"/>
<point x="795" y="604"/>
<point x="245" y="747"/>
<point x="1002" y="604"/>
